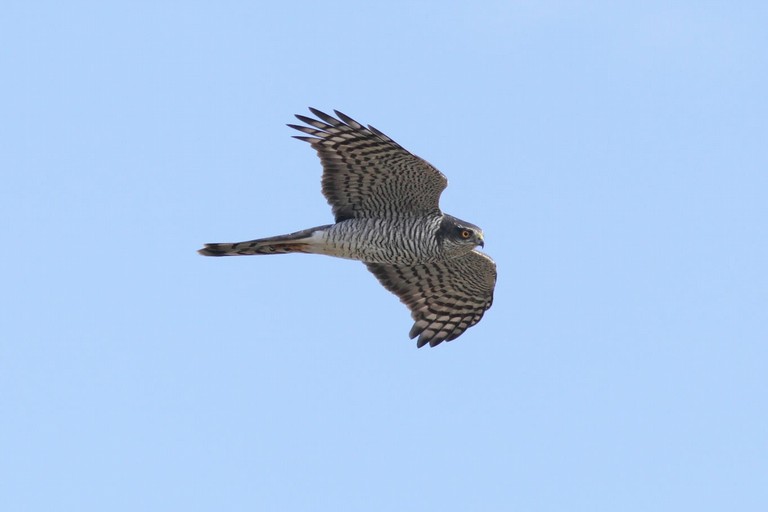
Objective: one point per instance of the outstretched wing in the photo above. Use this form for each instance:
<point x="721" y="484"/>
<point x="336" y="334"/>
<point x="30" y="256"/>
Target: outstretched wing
<point x="445" y="298"/>
<point x="366" y="174"/>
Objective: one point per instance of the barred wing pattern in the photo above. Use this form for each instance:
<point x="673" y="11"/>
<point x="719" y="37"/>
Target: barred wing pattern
<point x="368" y="175"/>
<point x="445" y="297"/>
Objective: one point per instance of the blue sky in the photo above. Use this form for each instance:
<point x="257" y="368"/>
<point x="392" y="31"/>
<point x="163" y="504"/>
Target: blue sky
<point x="615" y="154"/>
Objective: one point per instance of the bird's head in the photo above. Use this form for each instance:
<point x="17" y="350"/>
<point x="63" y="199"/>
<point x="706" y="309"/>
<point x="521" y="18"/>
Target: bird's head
<point x="458" y="236"/>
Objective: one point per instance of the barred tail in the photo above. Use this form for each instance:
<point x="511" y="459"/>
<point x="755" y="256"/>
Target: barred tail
<point x="301" y="241"/>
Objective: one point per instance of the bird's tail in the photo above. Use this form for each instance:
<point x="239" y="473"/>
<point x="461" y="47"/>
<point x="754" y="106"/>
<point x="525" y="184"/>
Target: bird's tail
<point x="301" y="241"/>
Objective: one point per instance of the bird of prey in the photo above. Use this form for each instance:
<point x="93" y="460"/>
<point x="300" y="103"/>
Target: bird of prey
<point x="386" y="205"/>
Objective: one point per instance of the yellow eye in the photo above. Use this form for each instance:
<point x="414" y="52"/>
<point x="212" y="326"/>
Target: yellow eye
<point x="465" y="234"/>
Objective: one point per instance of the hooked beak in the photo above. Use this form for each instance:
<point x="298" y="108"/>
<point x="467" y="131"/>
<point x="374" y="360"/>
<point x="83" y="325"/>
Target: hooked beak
<point x="480" y="240"/>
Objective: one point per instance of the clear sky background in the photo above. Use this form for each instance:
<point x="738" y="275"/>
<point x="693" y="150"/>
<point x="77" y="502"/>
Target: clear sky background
<point x="615" y="154"/>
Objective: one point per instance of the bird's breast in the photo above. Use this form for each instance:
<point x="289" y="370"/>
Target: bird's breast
<point x="390" y="241"/>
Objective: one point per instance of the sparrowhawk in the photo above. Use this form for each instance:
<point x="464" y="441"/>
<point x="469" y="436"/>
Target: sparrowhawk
<point x="386" y="204"/>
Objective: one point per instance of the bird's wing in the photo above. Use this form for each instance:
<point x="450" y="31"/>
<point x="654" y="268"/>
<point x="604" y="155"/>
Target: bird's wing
<point x="366" y="174"/>
<point x="445" y="297"/>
